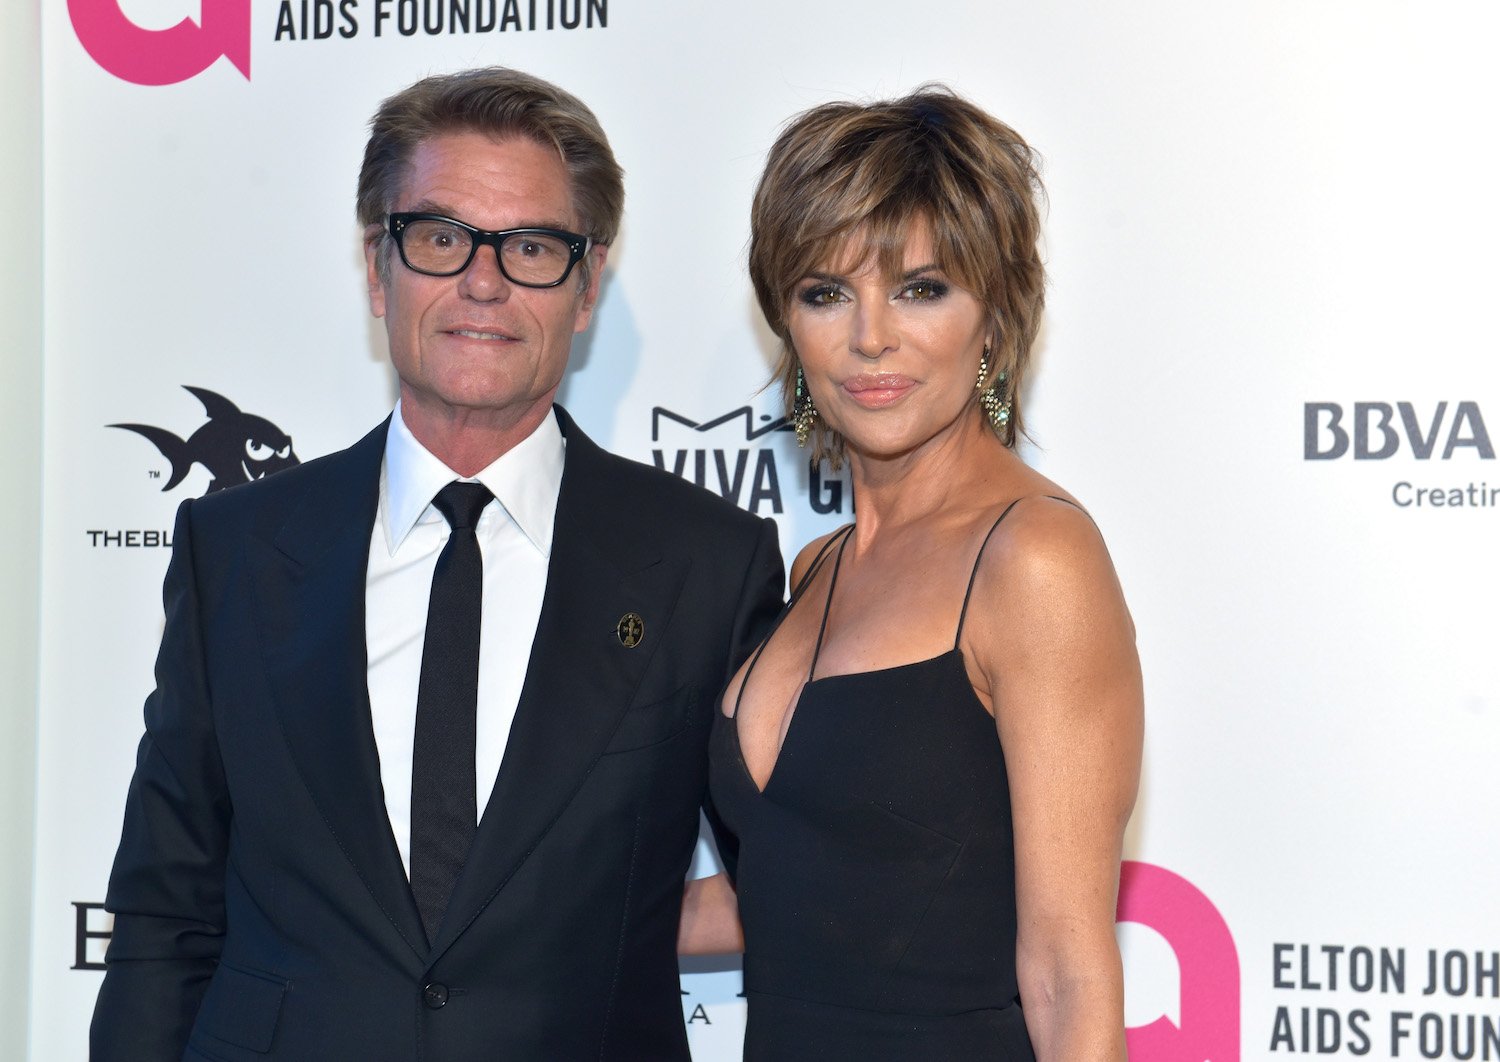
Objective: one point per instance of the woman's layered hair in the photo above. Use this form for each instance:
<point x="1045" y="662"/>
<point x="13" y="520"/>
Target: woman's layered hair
<point x="873" y="172"/>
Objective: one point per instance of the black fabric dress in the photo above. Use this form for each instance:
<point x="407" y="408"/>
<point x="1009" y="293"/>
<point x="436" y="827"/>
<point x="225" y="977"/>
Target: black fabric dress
<point x="876" y="871"/>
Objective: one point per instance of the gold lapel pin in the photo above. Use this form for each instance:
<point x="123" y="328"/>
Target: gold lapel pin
<point x="630" y="629"/>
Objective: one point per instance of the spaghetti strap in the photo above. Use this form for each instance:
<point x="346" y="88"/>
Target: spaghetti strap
<point x="974" y="573"/>
<point x="797" y="591"/>
<point x="833" y="578"/>
<point x="817" y="561"/>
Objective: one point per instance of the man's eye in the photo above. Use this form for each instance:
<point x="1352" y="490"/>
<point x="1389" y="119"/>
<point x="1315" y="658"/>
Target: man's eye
<point x="546" y="248"/>
<point x="435" y="236"/>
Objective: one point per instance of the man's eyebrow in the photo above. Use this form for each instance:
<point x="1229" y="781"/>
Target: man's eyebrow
<point x="429" y="206"/>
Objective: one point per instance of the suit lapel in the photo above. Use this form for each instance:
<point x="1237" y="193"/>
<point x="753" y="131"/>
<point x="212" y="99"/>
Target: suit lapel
<point x="311" y="597"/>
<point x="580" y="681"/>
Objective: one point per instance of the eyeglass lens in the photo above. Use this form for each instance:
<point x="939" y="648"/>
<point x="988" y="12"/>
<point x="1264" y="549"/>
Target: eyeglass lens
<point x="443" y="248"/>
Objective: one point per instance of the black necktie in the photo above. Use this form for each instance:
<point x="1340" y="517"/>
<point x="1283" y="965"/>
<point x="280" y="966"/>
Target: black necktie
<point x="443" y="808"/>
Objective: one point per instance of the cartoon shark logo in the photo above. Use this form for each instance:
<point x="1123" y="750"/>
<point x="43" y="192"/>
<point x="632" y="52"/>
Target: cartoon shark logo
<point x="235" y="447"/>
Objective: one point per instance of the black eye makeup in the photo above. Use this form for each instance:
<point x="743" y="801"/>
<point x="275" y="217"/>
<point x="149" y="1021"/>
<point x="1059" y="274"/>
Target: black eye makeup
<point x="819" y="291"/>
<point x="925" y="289"/>
<point x="821" y="294"/>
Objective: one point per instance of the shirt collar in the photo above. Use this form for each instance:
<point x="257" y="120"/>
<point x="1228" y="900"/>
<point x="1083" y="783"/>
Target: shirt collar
<point x="526" y="480"/>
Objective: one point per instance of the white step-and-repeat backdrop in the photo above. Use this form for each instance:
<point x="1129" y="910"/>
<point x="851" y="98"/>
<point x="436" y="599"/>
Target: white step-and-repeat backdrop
<point x="1269" y="368"/>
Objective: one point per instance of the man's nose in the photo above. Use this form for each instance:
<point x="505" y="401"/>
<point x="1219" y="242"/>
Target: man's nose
<point x="483" y="280"/>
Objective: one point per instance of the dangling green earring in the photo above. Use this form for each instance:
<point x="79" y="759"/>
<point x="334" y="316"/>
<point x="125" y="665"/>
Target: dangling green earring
<point x="993" y="400"/>
<point x="803" y="410"/>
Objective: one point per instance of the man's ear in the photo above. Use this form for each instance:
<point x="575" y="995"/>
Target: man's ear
<point x="374" y="239"/>
<point x="597" y="256"/>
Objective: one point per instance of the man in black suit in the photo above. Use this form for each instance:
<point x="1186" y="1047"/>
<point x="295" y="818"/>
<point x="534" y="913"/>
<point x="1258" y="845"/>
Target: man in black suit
<point x="300" y="874"/>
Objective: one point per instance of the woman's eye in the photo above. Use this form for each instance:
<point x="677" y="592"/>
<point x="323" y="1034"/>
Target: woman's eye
<point x="925" y="290"/>
<point x="822" y="295"/>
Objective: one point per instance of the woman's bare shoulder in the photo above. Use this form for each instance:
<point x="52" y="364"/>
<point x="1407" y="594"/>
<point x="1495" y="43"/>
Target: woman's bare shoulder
<point x="1044" y="580"/>
<point x="809" y="554"/>
<point x="1045" y="530"/>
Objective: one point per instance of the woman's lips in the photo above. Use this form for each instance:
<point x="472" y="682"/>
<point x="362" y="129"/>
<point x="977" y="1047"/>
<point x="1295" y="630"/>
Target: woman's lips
<point x="874" y="390"/>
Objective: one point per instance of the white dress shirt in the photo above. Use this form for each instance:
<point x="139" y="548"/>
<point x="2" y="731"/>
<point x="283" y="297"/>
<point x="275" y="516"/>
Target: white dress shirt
<point x="515" y="540"/>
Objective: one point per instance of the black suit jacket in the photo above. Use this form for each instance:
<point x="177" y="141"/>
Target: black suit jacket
<point x="261" y="909"/>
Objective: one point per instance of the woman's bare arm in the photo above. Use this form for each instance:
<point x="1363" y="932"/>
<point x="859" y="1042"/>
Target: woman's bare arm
<point x="710" y="923"/>
<point x="1051" y="636"/>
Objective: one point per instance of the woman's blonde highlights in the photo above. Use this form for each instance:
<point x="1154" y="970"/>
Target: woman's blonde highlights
<point x="871" y="172"/>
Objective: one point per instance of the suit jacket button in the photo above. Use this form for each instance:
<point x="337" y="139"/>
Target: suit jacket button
<point x="435" y="996"/>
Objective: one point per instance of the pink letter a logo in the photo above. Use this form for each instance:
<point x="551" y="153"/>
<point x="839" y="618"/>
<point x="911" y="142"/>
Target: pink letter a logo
<point x="163" y="57"/>
<point x="1206" y="958"/>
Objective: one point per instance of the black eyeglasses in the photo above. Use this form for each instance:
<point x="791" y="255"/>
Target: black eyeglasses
<point x="442" y="247"/>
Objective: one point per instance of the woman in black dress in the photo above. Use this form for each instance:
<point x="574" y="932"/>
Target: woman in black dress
<point x="927" y="768"/>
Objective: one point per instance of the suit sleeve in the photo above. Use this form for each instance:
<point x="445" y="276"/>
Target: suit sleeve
<point x="761" y="598"/>
<point x="166" y="890"/>
<point x="760" y="601"/>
